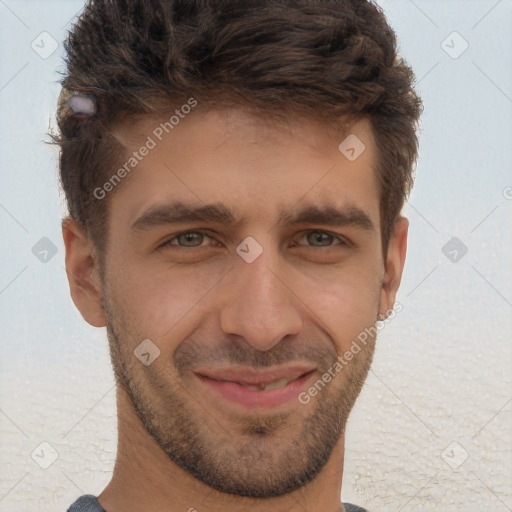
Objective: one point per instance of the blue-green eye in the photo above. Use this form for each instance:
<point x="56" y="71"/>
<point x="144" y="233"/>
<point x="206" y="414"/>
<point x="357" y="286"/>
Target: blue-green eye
<point x="324" y="236"/>
<point x="189" y="239"/>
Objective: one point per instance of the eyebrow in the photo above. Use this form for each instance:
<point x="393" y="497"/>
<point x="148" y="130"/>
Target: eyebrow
<point x="179" y="212"/>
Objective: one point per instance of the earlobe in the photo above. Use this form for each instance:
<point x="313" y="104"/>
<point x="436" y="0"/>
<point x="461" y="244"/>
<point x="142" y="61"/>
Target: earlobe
<point x="83" y="273"/>
<point x="395" y="261"/>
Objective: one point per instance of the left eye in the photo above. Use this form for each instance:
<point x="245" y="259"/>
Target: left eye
<point x="192" y="239"/>
<point x="316" y="235"/>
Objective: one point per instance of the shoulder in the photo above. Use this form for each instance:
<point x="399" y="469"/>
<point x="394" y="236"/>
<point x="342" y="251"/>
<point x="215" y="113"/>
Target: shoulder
<point x="86" y="503"/>
<point x="353" y="508"/>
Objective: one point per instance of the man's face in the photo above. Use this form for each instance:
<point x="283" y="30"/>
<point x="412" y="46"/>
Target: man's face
<point x="256" y="299"/>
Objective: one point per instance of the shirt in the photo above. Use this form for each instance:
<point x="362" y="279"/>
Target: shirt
<point x="89" y="503"/>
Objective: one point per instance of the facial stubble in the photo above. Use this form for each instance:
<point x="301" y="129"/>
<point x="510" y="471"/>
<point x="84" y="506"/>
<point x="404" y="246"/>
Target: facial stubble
<point x="252" y="455"/>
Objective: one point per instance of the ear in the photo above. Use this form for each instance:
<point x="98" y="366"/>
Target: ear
<point x="83" y="273"/>
<point x="395" y="260"/>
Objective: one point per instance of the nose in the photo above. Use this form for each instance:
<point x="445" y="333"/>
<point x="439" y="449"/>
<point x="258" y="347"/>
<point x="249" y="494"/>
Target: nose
<point x="261" y="306"/>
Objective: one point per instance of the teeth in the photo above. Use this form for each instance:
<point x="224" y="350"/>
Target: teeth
<point x="277" y="384"/>
<point x="270" y="386"/>
<point x="254" y="388"/>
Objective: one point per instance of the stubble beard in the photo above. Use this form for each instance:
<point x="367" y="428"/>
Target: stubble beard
<point x="255" y="455"/>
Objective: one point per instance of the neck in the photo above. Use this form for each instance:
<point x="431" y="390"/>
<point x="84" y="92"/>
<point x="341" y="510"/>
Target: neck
<point x="146" y="479"/>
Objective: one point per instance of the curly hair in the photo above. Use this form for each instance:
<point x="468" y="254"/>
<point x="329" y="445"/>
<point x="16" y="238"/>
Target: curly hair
<point x="323" y="60"/>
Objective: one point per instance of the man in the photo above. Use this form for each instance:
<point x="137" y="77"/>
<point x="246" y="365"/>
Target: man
<point x="235" y="173"/>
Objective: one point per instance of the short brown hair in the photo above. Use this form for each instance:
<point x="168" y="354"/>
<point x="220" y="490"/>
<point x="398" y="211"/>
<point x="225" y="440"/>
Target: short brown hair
<point x="320" y="59"/>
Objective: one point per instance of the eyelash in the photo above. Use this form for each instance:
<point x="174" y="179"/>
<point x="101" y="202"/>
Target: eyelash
<point x="343" y="242"/>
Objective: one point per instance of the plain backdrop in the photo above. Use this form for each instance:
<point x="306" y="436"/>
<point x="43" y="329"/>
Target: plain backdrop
<point x="432" y="428"/>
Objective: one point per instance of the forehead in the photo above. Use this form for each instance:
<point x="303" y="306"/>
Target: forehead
<point x="254" y="128"/>
<point x="234" y="156"/>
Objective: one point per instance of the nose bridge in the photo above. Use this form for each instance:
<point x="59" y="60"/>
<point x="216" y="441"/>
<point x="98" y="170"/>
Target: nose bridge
<point x="260" y="305"/>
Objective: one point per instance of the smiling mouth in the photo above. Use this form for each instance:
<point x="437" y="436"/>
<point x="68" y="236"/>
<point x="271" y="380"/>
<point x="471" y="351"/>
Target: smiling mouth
<point x="257" y="390"/>
<point x="270" y="386"/>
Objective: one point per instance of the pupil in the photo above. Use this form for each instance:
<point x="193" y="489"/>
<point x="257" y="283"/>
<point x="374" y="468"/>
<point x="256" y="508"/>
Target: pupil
<point x="319" y="236"/>
<point x="189" y="237"/>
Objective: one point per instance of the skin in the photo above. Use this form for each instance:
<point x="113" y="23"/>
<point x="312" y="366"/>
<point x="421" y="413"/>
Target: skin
<point x="304" y="299"/>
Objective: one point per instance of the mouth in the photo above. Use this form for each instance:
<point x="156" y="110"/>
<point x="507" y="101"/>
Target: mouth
<point x="252" y="389"/>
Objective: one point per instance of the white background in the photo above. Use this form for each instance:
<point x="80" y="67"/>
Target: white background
<point x="442" y="368"/>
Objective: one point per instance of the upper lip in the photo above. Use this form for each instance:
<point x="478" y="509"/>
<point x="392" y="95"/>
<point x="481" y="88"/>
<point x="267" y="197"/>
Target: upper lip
<point x="251" y="377"/>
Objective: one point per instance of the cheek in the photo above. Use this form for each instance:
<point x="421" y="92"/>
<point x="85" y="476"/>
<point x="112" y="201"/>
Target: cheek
<point x="159" y="303"/>
<point x="346" y="304"/>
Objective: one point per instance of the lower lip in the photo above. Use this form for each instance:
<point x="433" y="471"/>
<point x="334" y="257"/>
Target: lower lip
<point x="254" y="399"/>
